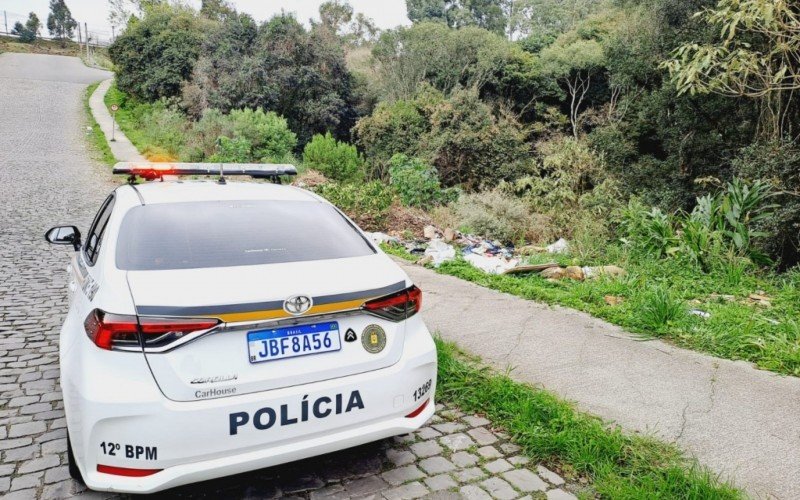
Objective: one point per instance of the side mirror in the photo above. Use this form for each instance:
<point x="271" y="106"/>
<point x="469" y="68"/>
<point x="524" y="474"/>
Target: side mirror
<point x="64" y="235"/>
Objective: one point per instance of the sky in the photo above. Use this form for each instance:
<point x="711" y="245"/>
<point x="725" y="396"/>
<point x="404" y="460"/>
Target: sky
<point x="385" y="13"/>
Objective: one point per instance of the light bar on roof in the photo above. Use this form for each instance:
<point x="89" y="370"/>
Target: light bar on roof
<point x="153" y="170"/>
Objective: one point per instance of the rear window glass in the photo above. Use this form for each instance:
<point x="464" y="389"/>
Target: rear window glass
<point x="234" y="233"/>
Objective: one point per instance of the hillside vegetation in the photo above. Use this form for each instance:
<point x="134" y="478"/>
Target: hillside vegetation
<point x="660" y="136"/>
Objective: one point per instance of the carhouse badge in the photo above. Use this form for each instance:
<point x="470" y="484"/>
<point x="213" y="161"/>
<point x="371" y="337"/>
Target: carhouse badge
<point x="373" y="339"/>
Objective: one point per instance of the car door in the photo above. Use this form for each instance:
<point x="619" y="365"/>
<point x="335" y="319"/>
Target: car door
<point x="84" y="279"/>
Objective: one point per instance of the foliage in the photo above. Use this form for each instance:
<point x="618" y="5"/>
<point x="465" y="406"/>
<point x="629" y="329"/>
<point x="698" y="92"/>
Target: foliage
<point x="367" y="203"/>
<point x="486" y="14"/>
<point x="619" y="465"/>
<point x="471" y="146"/>
<point x="757" y="55"/>
<point x="278" y="66"/>
<point x="60" y="23"/>
<point x="394" y="127"/>
<point x="495" y="215"/>
<point x="154" y="56"/>
<point x="719" y="224"/>
<point x="416" y="182"/>
<point x="30" y="30"/>
<point x="334" y="159"/>
<point x="268" y="134"/>
<point x="236" y="150"/>
<point x="778" y="164"/>
<point x="658" y="307"/>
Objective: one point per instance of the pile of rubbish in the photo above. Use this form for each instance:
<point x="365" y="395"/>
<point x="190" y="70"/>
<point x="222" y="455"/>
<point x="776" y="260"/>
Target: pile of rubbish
<point x="492" y="257"/>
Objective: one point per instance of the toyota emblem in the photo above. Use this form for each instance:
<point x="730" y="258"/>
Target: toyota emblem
<point x="297" y="305"/>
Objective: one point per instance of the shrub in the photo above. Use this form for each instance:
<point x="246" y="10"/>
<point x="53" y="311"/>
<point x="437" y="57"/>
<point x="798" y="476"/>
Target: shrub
<point x="494" y="215"/>
<point x="469" y="145"/>
<point x="366" y="203"/>
<point x="268" y="134"/>
<point x="416" y="182"/>
<point x="778" y="164"/>
<point x="648" y="230"/>
<point x="392" y="128"/>
<point x="334" y="159"/>
<point x="237" y="150"/>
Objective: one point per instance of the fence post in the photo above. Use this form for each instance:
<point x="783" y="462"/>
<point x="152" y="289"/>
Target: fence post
<point x="80" y="38"/>
<point x="86" y="30"/>
<point x="5" y="20"/>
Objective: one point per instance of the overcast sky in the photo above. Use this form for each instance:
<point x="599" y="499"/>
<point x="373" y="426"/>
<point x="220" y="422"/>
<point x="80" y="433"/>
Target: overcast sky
<point x="386" y="13"/>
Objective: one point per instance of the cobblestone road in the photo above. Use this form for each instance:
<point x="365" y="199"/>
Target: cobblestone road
<point x="47" y="177"/>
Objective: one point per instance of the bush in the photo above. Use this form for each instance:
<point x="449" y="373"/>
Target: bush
<point x="268" y="134"/>
<point x="155" y="55"/>
<point x="416" y="182"/>
<point x="366" y="203"/>
<point x="472" y="147"/>
<point x="392" y="128"/>
<point x="494" y="215"/>
<point x="778" y="164"/>
<point x="334" y="159"/>
<point x="236" y="150"/>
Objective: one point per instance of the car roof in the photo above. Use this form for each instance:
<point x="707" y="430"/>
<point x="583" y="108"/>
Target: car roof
<point x="192" y="190"/>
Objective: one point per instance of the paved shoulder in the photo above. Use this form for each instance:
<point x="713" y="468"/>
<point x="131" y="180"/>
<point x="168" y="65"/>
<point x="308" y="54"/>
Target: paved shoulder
<point x="740" y="421"/>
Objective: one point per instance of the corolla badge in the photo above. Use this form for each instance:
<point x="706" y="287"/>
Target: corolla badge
<point x="297" y="304"/>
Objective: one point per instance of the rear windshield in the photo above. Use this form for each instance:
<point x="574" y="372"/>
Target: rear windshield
<point x="234" y="233"/>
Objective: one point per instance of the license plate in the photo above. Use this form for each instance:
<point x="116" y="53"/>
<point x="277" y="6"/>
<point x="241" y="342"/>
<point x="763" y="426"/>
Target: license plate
<point x="293" y="341"/>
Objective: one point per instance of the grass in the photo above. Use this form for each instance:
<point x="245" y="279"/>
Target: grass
<point x="619" y="465"/>
<point x="656" y="297"/>
<point x="97" y="139"/>
<point x="98" y="57"/>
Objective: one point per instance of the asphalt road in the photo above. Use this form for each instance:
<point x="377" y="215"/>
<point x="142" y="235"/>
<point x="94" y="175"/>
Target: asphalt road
<point x="47" y="177"/>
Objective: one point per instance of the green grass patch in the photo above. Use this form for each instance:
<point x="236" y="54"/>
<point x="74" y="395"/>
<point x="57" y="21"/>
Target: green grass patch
<point x="618" y="465"/>
<point x="656" y="297"/>
<point x="97" y="139"/>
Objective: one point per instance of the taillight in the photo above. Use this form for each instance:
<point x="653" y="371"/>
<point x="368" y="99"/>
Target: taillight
<point x="125" y="471"/>
<point x="397" y="306"/>
<point x="110" y="331"/>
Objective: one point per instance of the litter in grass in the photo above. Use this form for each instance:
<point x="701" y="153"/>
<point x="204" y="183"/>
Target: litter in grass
<point x="698" y="312"/>
<point x="438" y="251"/>
<point x="560" y="246"/>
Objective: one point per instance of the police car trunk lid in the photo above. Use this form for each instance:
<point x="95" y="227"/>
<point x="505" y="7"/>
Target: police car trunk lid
<point x="251" y="298"/>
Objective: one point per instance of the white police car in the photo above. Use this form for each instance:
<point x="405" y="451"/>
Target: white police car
<point x="216" y="328"/>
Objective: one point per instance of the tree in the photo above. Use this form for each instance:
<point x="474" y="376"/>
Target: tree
<point x="60" y="23"/>
<point x="30" y="30"/>
<point x="487" y="14"/>
<point x="217" y="10"/>
<point x="757" y="56"/>
<point x="335" y="15"/>
<point x="156" y="55"/>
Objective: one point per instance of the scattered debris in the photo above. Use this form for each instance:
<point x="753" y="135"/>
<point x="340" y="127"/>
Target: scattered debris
<point x="309" y="179"/>
<point x="439" y="252"/>
<point x="490" y="264"/>
<point x="449" y="235"/>
<point x="720" y="297"/>
<point x="698" y="312"/>
<point x="406" y="222"/>
<point x="379" y="238"/>
<point x="560" y="246"/>
<point x="531" y="250"/>
<point x="553" y="273"/>
<point x="530" y="268"/>
<point x="429" y="232"/>
<point x="613" y="300"/>
<point x="611" y="271"/>
<point x="759" y="298"/>
<point x="574" y="273"/>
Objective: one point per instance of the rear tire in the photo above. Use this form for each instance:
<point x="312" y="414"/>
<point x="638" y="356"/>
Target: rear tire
<point x="74" y="471"/>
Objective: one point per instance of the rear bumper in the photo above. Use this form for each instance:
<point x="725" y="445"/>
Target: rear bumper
<point x="206" y="439"/>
